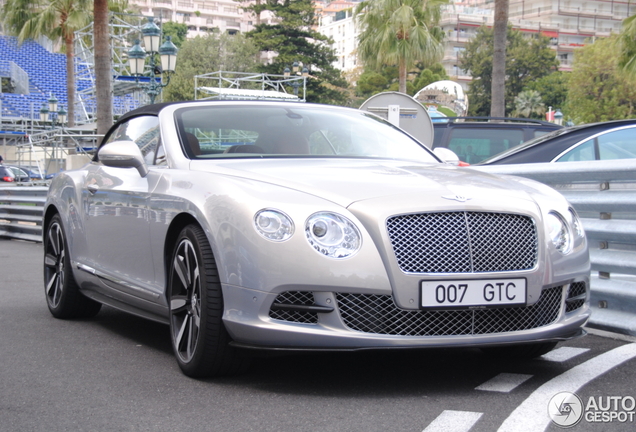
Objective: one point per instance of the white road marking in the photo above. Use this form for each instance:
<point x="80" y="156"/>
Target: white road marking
<point x="504" y="382"/>
<point x="532" y="414"/>
<point x="563" y="354"/>
<point x="453" y="421"/>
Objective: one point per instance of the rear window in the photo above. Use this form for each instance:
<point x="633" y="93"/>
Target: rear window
<point x="474" y="145"/>
<point x="6" y="172"/>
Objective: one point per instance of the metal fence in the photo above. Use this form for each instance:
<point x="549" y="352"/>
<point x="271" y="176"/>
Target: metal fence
<point x="604" y="195"/>
<point x="21" y="209"/>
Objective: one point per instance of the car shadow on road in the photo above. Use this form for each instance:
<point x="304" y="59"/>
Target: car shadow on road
<point x="140" y="331"/>
<point x="368" y="373"/>
<point x="431" y="372"/>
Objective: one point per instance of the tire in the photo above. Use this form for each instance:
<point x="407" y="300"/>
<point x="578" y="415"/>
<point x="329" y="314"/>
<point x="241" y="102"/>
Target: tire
<point x="63" y="296"/>
<point x="199" y="339"/>
<point x="520" y="352"/>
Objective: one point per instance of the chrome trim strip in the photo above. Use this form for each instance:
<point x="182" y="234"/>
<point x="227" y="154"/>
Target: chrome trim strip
<point x="117" y="281"/>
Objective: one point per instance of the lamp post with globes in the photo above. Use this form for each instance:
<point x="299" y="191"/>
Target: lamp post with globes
<point x="51" y="113"/>
<point x="296" y="72"/>
<point x="55" y="116"/>
<point x="137" y="57"/>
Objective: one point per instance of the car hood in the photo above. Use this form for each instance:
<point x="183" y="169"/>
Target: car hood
<point x="346" y="181"/>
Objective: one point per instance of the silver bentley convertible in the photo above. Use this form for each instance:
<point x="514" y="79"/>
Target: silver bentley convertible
<point x="288" y="226"/>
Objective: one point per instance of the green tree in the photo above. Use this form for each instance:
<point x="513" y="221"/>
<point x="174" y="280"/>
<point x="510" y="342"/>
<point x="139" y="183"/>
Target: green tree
<point x="528" y="104"/>
<point x="371" y="83"/>
<point x="429" y="76"/>
<point x="176" y="31"/>
<point x="599" y="90"/>
<point x="56" y="19"/>
<point x="527" y="60"/>
<point x="553" y="88"/>
<point x="399" y="32"/>
<point x="293" y="39"/>
<point x="627" y="43"/>
<point x="205" y="54"/>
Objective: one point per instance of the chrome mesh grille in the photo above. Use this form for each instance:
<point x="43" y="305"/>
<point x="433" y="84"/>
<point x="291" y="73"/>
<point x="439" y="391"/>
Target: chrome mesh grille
<point x="378" y="314"/>
<point x="295" y="298"/>
<point x="576" y="289"/>
<point x="463" y="242"/>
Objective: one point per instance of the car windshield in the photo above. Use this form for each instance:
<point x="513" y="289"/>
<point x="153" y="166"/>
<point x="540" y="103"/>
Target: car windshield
<point x="300" y="131"/>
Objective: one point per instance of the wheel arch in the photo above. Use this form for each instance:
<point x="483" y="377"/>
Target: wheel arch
<point x="178" y="223"/>
<point x="46" y="219"/>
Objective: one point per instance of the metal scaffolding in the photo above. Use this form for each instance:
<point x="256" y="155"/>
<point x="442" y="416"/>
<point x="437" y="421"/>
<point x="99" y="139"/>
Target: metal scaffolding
<point x="124" y="29"/>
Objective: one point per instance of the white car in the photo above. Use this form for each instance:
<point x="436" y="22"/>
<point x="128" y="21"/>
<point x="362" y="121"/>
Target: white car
<point x="291" y="226"/>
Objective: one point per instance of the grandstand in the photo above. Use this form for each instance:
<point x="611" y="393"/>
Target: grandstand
<point x="31" y="73"/>
<point x="45" y="73"/>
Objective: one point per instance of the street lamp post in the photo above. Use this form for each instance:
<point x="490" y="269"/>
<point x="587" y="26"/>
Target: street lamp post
<point x="51" y="112"/>
<point x="55" y="116"/>
<point x="137" y="56"/>
<point x="287" y="73"/>
<point x="558" y="117"/>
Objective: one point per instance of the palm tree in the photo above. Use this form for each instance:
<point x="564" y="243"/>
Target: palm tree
<point x="527" y="103"/>
<point x="103" y="67"/>
<point x="399" y="32"/>
<point x="56" y="19"/>
<point x="627" y="43"/>
<point x="498" y="86"/>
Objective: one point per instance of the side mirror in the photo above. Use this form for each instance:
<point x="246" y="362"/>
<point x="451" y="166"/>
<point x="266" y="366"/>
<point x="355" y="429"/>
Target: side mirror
<point x="123" y="154"/>
<point x="446" y="155"/>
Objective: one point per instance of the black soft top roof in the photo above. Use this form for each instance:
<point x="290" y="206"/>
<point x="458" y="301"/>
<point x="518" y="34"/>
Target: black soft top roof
<point x="145" y="110"/>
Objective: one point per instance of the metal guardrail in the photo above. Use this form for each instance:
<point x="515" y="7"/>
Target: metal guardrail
<point x="21" y="210"/>
<point x="604" y="195"/>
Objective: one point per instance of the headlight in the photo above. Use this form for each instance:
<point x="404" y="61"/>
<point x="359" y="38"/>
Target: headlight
<point x="559" y="233"/>
<point x="577" y="224"/>
<point x="333" y="235"/>
<point x="273" y="225"/>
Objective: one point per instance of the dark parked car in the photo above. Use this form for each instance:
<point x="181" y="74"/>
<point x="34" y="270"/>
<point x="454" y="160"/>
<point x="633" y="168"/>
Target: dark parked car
<point x="596" y="141"/>
<point x="6" y="175"/>
<point x="477" y="138"/>
<point x="24" y="174"/>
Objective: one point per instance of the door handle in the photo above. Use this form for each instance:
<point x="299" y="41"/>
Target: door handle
<point x="92" y="188"/>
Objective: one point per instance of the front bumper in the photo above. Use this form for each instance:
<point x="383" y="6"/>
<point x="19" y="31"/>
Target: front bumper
<point x="370" y="325"/>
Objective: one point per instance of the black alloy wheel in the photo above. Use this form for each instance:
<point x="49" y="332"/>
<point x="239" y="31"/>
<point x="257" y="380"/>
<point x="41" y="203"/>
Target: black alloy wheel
<point x="63" y="296"/>
<point x="199" y="338"/>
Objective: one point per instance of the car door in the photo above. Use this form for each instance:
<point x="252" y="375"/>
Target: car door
<point x="116" y="215"/>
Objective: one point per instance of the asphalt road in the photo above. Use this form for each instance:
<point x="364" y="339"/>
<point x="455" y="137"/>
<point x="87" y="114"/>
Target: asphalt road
<point x="117" y="373"/>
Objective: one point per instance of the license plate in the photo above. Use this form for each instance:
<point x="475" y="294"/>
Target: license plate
<point x="473" y="293"/>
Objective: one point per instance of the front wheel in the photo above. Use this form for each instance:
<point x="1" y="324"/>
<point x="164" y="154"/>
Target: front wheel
<point x="199" y="338"/>
<point x="63" y="296"/>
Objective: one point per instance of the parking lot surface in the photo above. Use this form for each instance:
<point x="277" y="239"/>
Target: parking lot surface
<point x="116" y="372"/>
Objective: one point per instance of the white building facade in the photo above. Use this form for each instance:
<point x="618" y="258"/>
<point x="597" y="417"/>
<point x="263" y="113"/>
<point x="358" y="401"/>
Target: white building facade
<point x="343" y="30"/>
<point x="201" y="17"/>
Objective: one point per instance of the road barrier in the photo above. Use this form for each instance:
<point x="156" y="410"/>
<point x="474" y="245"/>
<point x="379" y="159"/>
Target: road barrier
<point x="604" y="195"/>
<point x="21" y="210"/>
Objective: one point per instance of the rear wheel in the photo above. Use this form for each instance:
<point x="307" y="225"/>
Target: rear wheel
<point x="63" y="296"/>
<point x="199" y="338"/>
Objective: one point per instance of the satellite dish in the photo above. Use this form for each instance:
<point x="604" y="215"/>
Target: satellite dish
<point x="404" y="112"/>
